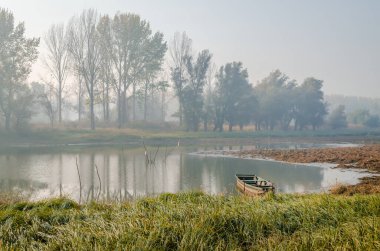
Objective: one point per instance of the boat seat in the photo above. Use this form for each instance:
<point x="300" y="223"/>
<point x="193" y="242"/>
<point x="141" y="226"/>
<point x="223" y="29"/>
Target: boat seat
<point x="250" y="182"/>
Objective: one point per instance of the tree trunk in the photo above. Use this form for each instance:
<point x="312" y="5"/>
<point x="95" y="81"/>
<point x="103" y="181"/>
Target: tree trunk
<point x="7" y="121"/>
<point x="119" y="108"/>
<point x="104" y="104"/>
<point x="107" y="102"/>
<point x="163" y="106"/>
<point x="180" y="113"/>
<point x="145" y="100"/>
<point x="124" y="108"/>
<point x="60" y="100"/>
<point x="79" y="100"/>
<point x="92" y="114"/>
<point x="134" y="103"/>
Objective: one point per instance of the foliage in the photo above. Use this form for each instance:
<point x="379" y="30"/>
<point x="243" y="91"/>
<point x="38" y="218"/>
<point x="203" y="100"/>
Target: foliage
<point x="137" y="56"/>
<point x="276" y="99"/>
<point x="194" y="220"/>
<point x="310" y="107"/>
<point x="234" y="96"/>
<point x="358" y="116"/>
<point x="337" y="118"/>
<point x="373" y="121"/>
<point x="193" y="89"/>
<point x="44" y="100"/>
<point x="17" y="53"/>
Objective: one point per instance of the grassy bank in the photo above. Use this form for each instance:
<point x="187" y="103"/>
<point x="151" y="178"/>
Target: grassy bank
<point x="195" y="221"/>
<point x="40" y="137"/>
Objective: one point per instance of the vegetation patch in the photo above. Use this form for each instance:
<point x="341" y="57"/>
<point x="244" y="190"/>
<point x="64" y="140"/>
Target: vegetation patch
<point x="195" y="220"/>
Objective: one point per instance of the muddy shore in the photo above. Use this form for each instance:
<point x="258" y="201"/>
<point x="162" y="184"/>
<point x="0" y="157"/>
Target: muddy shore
<point x="363" y="157"/>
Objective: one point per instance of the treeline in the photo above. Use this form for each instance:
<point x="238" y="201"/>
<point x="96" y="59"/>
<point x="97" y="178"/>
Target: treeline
<point x="111" y="70"/>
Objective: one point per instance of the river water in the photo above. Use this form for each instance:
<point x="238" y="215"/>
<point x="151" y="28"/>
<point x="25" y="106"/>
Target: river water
<point x="120" y="173"/>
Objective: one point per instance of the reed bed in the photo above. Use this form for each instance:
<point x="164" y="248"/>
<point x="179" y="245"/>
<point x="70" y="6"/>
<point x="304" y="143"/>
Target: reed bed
<point x="195" y="221"/>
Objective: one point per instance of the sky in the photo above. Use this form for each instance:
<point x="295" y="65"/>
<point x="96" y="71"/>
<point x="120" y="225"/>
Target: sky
<point x="337" y="41"/>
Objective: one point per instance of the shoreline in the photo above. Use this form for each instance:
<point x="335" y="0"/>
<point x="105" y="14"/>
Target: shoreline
<point x="366" y="158"/>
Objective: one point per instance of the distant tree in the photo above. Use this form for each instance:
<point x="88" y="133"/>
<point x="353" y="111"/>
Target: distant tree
<point x="84" y="48"/>
<point x="107" y="78"/>
<point x="43" y="95"/>
<point x="310" y="108"/>
<point x="373" y="121"/>
<point x="180" y="51"/>
<point x="17" y="53"/>
<point x="137" y="57"/>
<point x="193" y="90"/>
<point x="231" y="85"/>
<point x="275" y="95"/>
<point x="208" y="111"/>
<point x="57" y="60"/>
<point x="246" y="109"/>
<point x="23" y="106"/>
<point x="337" y="118"/>
<point x="163" y="86"/>
<point x="359" y="116"/>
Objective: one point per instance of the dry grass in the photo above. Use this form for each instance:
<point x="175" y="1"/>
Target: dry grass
<point x="368" y="185"/>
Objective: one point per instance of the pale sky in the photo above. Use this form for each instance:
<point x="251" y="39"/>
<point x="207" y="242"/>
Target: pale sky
<point x="337" y="41"/>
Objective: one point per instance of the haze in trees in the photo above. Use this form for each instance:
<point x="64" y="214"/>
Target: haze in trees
<point x="17" y="54"/>
<point x="115" y="67"/>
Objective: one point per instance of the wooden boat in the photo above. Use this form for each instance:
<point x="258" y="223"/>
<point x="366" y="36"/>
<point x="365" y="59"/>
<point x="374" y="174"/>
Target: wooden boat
<point x="253" y="185"/>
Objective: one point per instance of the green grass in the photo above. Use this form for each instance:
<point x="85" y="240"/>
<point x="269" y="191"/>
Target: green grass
<point x="195" y="221"/>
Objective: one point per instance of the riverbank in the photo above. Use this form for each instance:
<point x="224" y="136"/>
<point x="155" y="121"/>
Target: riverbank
<point x="364" y="157"/>
<point x="195" y="221"/>
<point x="47" y="137"/>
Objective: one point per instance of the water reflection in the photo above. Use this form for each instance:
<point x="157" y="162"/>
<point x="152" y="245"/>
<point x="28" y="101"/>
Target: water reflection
<point x="123" y="173"/>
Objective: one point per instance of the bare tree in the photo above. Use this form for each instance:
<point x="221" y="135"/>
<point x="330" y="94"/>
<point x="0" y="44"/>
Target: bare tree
<point x="107" y="77"/>
<point x="83" y="44"/>
<point x="180" y="49"/>
<point x="57" y="60"/>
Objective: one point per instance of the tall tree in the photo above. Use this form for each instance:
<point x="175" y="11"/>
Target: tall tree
<point x="208" y="113"/>
<point x="107" y="78"/>
<point x="310" y="106"/>
<point x="17" y="53"/>
<point x="231" y="85"/>
<point x="180" y="50"/>
<point x="193" y="90"/>
<point x="56" y="60"/>
<point x="137" y="56"/>
<point x="84" y="48"/>
<point x="274" y="94"/>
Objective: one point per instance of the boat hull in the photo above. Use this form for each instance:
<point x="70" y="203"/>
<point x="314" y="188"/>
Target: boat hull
<point x="252" y="185"/>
